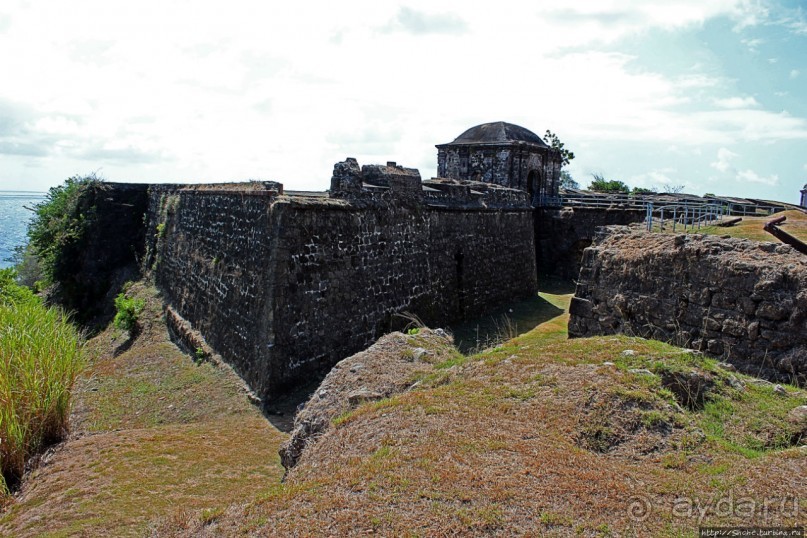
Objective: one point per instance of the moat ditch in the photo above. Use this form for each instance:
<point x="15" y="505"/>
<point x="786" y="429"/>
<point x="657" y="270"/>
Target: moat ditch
<point x="469" y="337"/>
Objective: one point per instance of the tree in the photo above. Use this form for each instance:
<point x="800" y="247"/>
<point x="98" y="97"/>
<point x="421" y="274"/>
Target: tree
<point x="567" y="181"/>
<point x="642" y="190"/>
<point x="600" y="184"/>
<point x="673" y="189"/>
<point x="554" y="142"/>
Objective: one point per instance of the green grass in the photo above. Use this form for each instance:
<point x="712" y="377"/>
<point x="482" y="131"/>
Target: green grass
<point x="40" y="355"/>
<point x="751" y="227"/>
<point x="750" y="422"/>
<point x="127" y="312"/>
<point x="483" y="445"/>
<point x="546" y="308"/>
<point x="155" y="432"/>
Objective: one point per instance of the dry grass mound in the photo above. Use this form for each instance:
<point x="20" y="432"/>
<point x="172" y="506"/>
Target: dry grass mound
<point x="538" y="436"/>
<point x="542" y="436"/>
<point x="394" y="364"/>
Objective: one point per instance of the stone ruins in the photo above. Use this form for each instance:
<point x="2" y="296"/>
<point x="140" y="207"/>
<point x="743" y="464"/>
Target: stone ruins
<point x="283" y="285"/>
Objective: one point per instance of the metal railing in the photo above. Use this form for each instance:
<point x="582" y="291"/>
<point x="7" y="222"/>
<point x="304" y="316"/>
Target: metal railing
<point x="688" y="212"/>
<point x="597" y="200"/>
<point x="688" y="217"/>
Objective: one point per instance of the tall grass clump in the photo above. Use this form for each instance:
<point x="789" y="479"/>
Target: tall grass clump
<point x="41" y="354"/>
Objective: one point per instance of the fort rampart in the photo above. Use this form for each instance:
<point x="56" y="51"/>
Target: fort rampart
<point x="283" y="286"/>
<point x="561" y="235"/>
<point x="742" y="301"/>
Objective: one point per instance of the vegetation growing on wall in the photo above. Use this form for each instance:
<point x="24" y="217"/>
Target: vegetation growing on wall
<point x="60" y="223"/>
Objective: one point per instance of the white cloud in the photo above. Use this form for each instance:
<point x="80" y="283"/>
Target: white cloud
<point x="753" y="177"/>
<point x="749" y="13"/>
<point x="737" y="102"/>
<point x="272" y="90"/>
<point x="795" y="21"/>
<point x="656" y="179"/>
<point x="794" y="74"/>
<point x="419" y="22"/>
<point x="724" y="158"/>
<point x="671" y="14"/>
<point x="752" y="44"/>
<point x="730" y="126"/>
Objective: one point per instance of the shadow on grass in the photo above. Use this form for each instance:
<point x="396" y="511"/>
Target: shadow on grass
<point x="511" y="319"/>
<point x="555" y="286"/>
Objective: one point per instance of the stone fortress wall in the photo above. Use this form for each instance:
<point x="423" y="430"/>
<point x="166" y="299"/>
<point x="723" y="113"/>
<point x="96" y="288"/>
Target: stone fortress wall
<point x="283" y="286"/>
<point x="561" y="235"/>
<point x="742" y="301"/>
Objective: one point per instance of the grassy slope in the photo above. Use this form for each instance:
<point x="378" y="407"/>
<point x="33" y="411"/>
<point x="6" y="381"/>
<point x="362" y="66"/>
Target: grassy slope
<point x="752" y="227"/>
<point x="541" y="436"/>
<point x="152" y="431"/>
<point x="506" y="444"/>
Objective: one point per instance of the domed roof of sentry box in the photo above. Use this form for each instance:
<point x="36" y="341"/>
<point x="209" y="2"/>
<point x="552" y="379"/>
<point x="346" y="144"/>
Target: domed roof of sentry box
<point x="498" y="132"/>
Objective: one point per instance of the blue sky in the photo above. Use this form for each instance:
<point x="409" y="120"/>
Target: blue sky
<point x="706" y="94"/>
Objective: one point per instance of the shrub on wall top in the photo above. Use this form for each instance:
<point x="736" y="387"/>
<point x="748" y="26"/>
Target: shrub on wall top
<point x="60" y="223"/>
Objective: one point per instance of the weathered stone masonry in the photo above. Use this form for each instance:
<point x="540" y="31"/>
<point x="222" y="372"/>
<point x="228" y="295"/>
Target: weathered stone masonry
<point x="743" y="301"/>
<point x="503" y="154"/>
<point x="209" y="249"/>
<point x="561" y="235"/>
<point x="284" y="286"/>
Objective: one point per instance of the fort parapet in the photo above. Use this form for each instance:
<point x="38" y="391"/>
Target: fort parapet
<point x="739" y="300"/>
<point x="284" y="285"/>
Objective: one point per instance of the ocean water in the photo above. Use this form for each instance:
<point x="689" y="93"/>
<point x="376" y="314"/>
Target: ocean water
<point x="14" y="219"/>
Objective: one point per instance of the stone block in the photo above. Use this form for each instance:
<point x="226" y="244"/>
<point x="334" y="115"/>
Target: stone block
<point x="734" y="327"/>
<point x="773" y="311"/>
